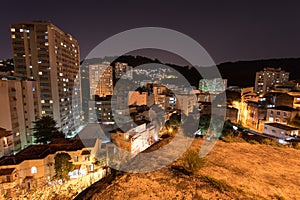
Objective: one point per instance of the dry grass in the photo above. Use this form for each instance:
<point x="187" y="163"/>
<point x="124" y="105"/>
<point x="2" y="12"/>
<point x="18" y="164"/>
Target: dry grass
<point x="232" y="171"/>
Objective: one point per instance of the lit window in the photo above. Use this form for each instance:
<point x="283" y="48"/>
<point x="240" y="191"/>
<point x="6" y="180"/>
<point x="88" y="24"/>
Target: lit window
<point x="42" y="101"/>
<point x="17" y="134"/>
<point x="50" y="101"/>
<point x="39" y="62"/>
<point x="61" y="74"/>
<point x="46" y="44"/>
<point x="13" y="36"/>
<point x="40" y="73"/>
<point x="30" y="66"/>
<point x="75" y="158"/>
<point x="13" y="30"/>
<point x="271" y="119"/>
<point x="62" y="44"/>
<point x="43" y="112"/>
<point x="62" y="100"/>
<point x="33" y="170"/>
<point x="46" y="37"/>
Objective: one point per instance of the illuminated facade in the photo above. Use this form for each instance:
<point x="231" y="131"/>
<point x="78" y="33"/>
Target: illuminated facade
<point x="101" y="79"/>
<point x="45" y="53"/>
<point x="268" y="77"/>
<point x="19" y="108"/>
<point x="136" y="139"/>
<point x="122" y="70"/>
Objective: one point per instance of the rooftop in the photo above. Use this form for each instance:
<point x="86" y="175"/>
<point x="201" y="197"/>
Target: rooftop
<point x="34" y="152"/>
<point x="8" y="171"/>
<point x="283" y="127"/>
<point x="284" y="108"/>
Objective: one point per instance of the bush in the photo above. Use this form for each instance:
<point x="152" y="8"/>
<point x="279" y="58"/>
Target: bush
<point x="267" y="141"/>
<point x="192" y="162"/>
<point x="232" y="138"/>
<point x="253" y="142"/>
<point x="296" y="145"/>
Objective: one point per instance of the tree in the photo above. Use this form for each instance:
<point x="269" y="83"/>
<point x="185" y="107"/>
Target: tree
<point x="45" y="129"/>
<point x="204" y="123"/>
<point x="227" y="128"/>
<point x="192" y="162"/>
<point x="63" y="166"/>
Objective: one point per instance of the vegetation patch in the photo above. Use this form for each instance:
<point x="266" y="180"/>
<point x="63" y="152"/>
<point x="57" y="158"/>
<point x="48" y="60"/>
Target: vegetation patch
<point x="219" y="185"/>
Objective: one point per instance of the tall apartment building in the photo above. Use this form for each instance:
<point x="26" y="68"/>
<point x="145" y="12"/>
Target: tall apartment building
<point x="101" y="79"/>
<point x="20" y="106"/>
<point x="122" y="70"/>
<point x="45" y="53"/>
<point x="268" y="77"/>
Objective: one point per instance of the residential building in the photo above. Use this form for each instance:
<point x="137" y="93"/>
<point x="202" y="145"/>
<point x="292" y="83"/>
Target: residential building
<point x="280" y="130"/>
<point x="248" y="94"/>
<point x="281" y="114"/>
<point x="255" y="116"/>
<point x="140" y="98"/>
<point x="232" y="115"/>
<point x="44" y="53"/>
<point x="101" y="79"/>
<point x="34" y="166"/>
<point x="136" y="139"/>
<point x="103" y="109"/>
<point x="122" y="70"/>
<point x="20" y="107"/>
<point x="186" y="102"/>
<point x="6" y="65"/>
<point x="268" y="77"/>
<point x="6" y="143"/>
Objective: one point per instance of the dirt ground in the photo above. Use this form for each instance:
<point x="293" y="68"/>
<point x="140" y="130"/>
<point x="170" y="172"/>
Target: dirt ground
<point x="232" y="171"/>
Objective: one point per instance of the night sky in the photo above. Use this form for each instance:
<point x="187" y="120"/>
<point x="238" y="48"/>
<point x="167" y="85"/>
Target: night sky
<point x="228" y="30"/>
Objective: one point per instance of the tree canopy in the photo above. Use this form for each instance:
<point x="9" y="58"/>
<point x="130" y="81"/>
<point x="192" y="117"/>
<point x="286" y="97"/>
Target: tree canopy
<point x="63" y="166"/>
<point x="46" y="129"/>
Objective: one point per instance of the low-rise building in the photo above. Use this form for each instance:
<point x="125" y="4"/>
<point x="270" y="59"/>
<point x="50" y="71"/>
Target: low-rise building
<point x="281" y="114"/>
<point x="6" y="142"/>
<point x="280" y="130"/>
<point x="256" y="115"/>
<point x="136" y="139"/>
<point x="34" y="165"/>
<point x="140" y="98"/>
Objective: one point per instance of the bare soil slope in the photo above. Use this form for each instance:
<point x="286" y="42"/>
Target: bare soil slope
<point x="232" y="171"/>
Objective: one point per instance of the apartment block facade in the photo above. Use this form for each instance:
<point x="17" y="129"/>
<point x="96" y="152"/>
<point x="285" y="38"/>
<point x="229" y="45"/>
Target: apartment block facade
<point x="44" y="53"/>
<point x="268" y="77"/>
<point x="20" y="106"/>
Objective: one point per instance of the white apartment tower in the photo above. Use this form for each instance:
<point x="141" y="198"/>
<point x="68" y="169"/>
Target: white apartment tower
<point x="44" y="53"/>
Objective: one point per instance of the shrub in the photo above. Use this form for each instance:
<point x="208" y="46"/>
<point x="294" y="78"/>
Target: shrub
<point x="296" y="145"/>
<point x="253" y="142"/>
<point x="192" y="162"/>
<point x="267" y="141"/>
